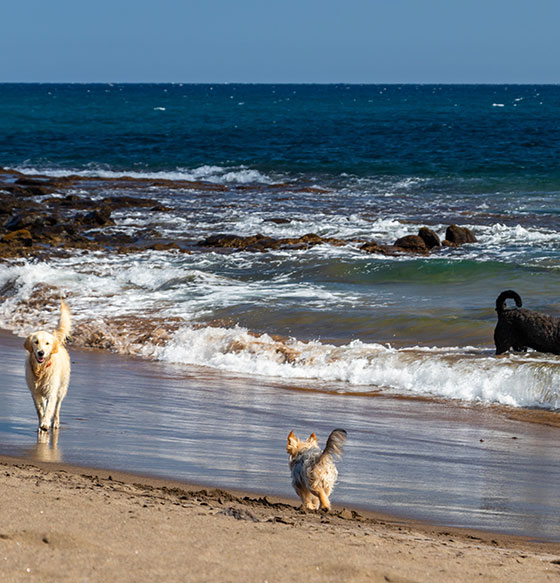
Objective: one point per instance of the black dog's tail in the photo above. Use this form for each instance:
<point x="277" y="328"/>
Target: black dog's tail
<point x="507" y="295"/>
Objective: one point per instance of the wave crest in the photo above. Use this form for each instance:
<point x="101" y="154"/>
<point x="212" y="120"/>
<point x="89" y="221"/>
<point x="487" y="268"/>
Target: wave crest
<point x="205" y="173"/>
<point x="465" y="374"/>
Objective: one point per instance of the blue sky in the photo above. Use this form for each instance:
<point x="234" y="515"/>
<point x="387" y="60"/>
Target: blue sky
<point x="351" y="41"/>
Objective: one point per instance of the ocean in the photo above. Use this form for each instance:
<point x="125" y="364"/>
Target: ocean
<point x="352" y="162"/>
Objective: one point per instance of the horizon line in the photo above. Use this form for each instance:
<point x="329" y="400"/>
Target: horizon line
<point x="357" y="83"/>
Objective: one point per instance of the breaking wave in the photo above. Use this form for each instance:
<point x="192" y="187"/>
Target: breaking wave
<point x="205" y="173"/>
<point x="468" y="374"/>
<point x="152" y="326"/>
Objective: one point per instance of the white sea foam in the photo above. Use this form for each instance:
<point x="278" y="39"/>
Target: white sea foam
<point x="206" y="173"/>
<point x="353" y="226"/>
<point x="448" y="373"/>
<point x="154" y="284"/>
<point x="410" y="182"/>
<point x="103" y="288"/>
<point x="501" y="235"/>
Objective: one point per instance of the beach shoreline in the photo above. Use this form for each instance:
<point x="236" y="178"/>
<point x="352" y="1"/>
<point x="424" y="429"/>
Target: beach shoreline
<point x="75" y="523"/>
<point x="409" y="461"/>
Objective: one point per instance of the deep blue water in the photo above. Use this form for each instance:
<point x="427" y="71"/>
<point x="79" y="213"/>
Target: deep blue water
<point x="506" y="134"/>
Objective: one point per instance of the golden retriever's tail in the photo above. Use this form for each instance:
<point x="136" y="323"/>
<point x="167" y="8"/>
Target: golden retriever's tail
<point x="64" y="323"/>
<point x="335" y="444"/>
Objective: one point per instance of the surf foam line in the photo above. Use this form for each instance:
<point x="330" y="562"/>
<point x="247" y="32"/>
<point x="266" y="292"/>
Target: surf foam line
<point x="207" y="173"/>
<point x="452" y="373"/>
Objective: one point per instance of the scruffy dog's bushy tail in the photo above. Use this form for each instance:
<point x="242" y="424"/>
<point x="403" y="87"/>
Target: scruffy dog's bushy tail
<point x="335" y="444"/>
<point x="507" y="295"/>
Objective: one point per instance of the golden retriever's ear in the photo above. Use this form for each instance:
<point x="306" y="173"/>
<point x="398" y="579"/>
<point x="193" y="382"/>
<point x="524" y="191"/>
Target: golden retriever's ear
<point x="56" y="346"/>
<point x="27" y="344"/>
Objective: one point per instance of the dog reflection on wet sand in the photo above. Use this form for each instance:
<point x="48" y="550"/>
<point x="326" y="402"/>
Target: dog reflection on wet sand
<point x="313" y="471"/>
<point x="46" y="448"/>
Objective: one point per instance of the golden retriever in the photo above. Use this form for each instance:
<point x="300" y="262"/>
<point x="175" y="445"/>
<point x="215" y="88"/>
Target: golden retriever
<point x="47" y="370"/>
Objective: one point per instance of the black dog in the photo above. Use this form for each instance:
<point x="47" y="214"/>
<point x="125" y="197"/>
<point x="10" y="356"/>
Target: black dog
<point x="519" y="328"/>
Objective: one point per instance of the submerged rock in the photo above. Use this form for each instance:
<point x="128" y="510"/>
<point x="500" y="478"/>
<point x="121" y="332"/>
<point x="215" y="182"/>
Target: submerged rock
<point x="455" y="236"/>
<point x="259" y="242"/>
<point x="67" y="220"/>
<point x="100" y="217"/>
<point x="430" y="238"/>
<point x="19" y="237"/>
<point x="411" y="244"/>
<point x="426" y="241"/>
<point x="376" y="248"/>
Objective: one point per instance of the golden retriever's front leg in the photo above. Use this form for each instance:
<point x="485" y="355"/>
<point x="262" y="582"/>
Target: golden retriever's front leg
<point x="47" y="418"/>
<point x="40" y="403"/>
<point x="56" y="418"/>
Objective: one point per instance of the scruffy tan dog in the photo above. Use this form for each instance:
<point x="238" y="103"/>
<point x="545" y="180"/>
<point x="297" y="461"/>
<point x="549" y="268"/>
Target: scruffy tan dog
<point x="47" y="370"/>
<point x="313" y="471"/>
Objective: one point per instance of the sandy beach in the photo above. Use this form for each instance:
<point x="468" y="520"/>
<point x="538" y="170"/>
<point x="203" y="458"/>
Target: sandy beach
<point x="62" y="523"/>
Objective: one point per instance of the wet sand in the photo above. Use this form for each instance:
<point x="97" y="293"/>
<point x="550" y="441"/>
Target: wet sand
<point x="457" y="466"/>
<point x="61" y="523"/>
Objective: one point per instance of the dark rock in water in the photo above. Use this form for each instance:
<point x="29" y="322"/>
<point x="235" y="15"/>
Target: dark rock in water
<point x="411" y="244"/>
<point x="261" y="243"/>
<point x="54" y="224"/>
<point x="29" y="181"/>
<point x="70" y="200"/>
<point x="39" y="190"/>
<point x="31" y="221"/>
<point x="161" y="246"/>
<point x="278" y="221"/>
<point x="119" y="202"/>
<point x="228" y="241"/>
<point x="16" y="222"/>
<point x="455" y="236"/>
<point x="15" y="190"/>
<point x="429" y="237"/>
<point x="422" y="243"/>
<point x="100" y="217"/>
<point x="374" y="247"/>
<point x="21" y="237"/>
<point x="39" y="186"/>
<point x="312" y="239"/>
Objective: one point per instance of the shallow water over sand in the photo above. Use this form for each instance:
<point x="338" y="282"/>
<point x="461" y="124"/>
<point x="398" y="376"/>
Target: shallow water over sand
<point x="448" y="464"/>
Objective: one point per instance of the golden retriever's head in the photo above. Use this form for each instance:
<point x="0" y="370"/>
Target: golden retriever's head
<point x="41" y="345"/>
<point x="296" y="446"/>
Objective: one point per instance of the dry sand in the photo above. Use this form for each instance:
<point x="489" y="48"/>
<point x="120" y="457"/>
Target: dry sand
<point x="62" y="523"/>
